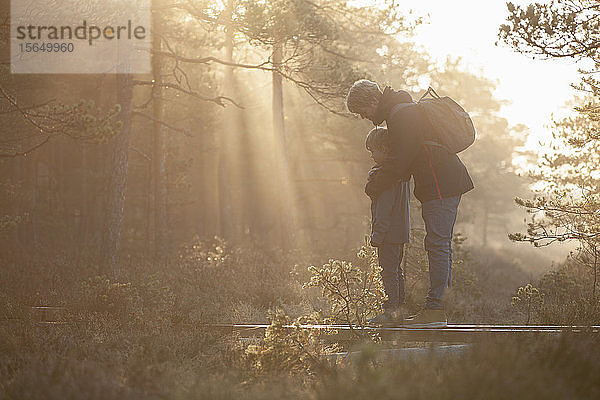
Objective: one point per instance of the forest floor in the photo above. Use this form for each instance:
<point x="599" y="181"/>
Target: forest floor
<point x="142" y="336"/>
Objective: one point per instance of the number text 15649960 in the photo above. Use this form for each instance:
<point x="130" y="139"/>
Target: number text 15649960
<point x="47" y="47"/>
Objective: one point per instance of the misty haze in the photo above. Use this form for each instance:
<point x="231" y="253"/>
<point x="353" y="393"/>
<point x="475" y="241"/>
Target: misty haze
<point x="302" y="199"/>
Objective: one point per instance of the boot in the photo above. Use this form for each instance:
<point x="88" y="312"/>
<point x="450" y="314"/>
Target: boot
<point x="392" y="317"/>
<point x="427" y="318"/>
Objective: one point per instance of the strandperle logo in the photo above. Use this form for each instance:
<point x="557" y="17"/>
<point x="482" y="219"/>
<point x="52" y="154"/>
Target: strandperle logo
<point x="84" y="36"/>
<point x="81" y="32"/>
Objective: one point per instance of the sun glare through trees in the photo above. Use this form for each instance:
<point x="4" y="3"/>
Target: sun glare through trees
<point x="319" y="199"/>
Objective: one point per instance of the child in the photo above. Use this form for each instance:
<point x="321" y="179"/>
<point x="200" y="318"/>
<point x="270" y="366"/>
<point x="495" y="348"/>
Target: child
<point x="390" y="226"/>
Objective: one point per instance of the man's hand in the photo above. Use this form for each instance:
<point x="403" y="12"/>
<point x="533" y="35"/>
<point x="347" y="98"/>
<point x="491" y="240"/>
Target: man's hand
<point x="370" y="178"/>
<point x="374" y="243"/>
<point x="370" y="190"/>
<point x="377" y="237"/>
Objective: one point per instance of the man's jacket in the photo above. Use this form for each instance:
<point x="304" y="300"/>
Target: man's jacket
<point x="438" y="173"/>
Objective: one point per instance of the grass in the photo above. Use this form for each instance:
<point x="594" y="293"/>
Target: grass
<point x="141" y="338"/>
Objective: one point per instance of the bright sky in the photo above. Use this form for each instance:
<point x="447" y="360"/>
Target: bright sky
<point x="469" y="29"/>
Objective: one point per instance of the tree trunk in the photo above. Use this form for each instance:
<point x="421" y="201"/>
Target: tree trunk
<point x="278" y="122"/>
<point x="595" y="271"/>
<point x="225" y="146"/>
<point x="17" y="209"/>
<point x="251" y="217"/>
<point x="34" y="195"/>
<point x="159" y="151"/>
<point x="83" y="205"/>
<point x="149" y="216"/>
<point x="282" y="167"/>
<point x="116" y="187"/>
<point x="97" y="177"/>
<point x="63" y="208"/>
<point x="484" y="225"/>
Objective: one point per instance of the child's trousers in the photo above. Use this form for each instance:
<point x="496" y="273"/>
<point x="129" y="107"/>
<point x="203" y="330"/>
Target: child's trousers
<point x="390" y="259"/>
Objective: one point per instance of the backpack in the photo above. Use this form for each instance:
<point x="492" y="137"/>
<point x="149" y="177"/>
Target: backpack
<point x="450" y="123"/>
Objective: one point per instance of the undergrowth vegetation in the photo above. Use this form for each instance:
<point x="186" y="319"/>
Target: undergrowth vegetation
<point x="146" y="335"/>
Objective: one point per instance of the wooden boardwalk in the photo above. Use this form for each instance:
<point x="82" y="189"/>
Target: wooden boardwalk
<point x="451" y="333"/>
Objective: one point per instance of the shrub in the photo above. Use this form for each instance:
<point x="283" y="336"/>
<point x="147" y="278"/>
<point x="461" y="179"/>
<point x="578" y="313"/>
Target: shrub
<point x="527" y="301"/>
<point x="148" y="304"/>
<point x="289" y="348"/>
<point x="566" y="300"/>
<point x="355" y="294"/>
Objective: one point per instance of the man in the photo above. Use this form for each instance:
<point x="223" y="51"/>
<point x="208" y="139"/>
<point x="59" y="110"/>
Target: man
<point x="440" y="181"/>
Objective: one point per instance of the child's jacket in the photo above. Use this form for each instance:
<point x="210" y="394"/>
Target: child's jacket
<point x="390" y="214"/>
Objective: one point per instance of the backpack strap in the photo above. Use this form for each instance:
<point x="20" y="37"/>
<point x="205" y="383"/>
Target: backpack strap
<point x="399" y="107"/>
<point x="432" y="143"/>
<point x="432" y="92"/>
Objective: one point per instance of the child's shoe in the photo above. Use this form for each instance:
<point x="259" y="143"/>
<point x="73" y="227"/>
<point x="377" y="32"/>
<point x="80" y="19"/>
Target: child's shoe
<point x="391" y="317"/>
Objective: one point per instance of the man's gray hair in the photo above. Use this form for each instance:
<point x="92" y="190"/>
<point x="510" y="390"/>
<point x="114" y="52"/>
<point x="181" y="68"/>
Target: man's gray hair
<point x="361" y="95"/>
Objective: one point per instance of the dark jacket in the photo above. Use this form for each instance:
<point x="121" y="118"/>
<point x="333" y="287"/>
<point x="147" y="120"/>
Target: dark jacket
<point x="438" y="173"/>
<point x="390" y="213"/>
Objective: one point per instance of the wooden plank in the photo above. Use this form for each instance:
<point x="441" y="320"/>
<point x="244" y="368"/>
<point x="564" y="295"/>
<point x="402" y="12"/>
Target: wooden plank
<point x="48" y="314"/>
<point x="450" y="327"/>
<point x="451" y="333"/>
<point x="405" y="353"/>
